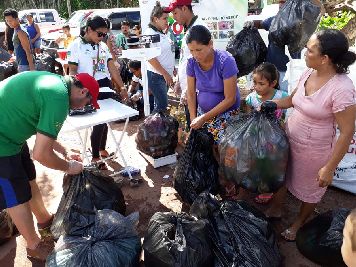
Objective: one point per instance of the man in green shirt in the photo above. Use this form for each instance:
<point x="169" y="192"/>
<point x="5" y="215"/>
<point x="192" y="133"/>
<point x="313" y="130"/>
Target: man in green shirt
<point x="36" y="103"/>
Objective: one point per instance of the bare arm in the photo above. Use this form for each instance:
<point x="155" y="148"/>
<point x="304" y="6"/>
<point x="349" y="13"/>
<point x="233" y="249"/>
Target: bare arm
<point x="73" y="69"/>
<point x="109" y="44"/>
<point x="191" y="97"/>
<point x="285" y="103"/>
<point x="38" y="35"/>
<point x="26" y="46"/>
<point x="133" y="86"/>
<point x="346" y="123"/>
<point x="115" y="76"/>
<point x="44" y="154"/>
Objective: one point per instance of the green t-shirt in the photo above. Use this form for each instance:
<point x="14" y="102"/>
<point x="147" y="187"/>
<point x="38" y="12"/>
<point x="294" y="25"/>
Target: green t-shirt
<point x="30" y="102"/>
<point x="121" y="41"/>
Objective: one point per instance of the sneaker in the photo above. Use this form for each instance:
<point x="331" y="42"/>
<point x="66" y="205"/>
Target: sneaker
<point x="45" y="229"/>
<point x="41" y="252"/>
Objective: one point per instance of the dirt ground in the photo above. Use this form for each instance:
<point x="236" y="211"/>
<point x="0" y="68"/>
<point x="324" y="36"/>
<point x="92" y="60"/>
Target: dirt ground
<point x="154" y="194"/>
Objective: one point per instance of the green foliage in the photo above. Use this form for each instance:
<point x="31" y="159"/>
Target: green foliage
<point x="338" y="22"/>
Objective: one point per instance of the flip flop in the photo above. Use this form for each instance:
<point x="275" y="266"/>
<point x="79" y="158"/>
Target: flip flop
<point x="102" y="166"/>
<point x="263" y="198"/>
<point x="288" y="235"/>
<point x="108" y="156"/>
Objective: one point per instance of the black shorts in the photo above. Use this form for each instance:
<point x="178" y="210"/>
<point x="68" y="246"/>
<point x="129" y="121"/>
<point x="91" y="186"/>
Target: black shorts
<point x="15" y="173"/>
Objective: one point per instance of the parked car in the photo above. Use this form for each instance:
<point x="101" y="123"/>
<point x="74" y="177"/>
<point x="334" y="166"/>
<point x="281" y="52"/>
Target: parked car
<point x="74" y="21"/>
<point x="46" y="19"/>
<point x="2" y="34"/>
<point x="118" y="15"/>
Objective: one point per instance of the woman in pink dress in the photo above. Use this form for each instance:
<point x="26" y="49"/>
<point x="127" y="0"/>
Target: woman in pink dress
<point x="324" y="98"/>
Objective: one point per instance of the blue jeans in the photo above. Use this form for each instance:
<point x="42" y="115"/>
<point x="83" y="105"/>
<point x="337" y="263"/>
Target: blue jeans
<point x="158" y="86"/>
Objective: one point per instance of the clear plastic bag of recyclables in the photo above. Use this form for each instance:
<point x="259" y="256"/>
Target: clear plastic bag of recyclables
<point x="197" y="169"/>
<point x="248" y="49"/>
<point x="320" y="239"/>
<point x="84" y="194"/>
<point x="7" y="227"/>
<point x="241" y="235"/>
<point x="254" y="151"/>
<point x="294" y="24"/>
<point x="177" y="240"/>
<point x="112" y="241"/>
<point x="157" y="136"/>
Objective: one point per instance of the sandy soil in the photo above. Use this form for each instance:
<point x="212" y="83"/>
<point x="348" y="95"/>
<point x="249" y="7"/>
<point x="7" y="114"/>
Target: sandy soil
<point x="154" y="194"/>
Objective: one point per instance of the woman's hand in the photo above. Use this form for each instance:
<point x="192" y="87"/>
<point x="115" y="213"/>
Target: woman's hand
<point x="198" y="122"/>
<point x="325" y="176"/>
<point x="123" y="93"/>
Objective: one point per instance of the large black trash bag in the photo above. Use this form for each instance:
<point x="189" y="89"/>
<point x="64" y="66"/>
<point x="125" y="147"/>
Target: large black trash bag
<point x="7" y="227"/>
<point x="197" y="168"/>
<point x="111" y="241"/>
<point x="254" y="152"/>
<point x="241" y="235"/>
<point x="294" y="24"/>
<point x="4" y="55"/>
<point x="7" y="69"/>
<point x="84" y="194"/>
<point x="177" y="240"/>
<point x="45" y="62"/>
<point x="157" y="136"/>
<point x="320" y="239"/>
<point x="248" y="49"/>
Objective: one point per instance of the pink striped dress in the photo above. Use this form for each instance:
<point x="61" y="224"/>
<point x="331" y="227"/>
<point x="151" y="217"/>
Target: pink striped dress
<point x="311" y="131"/>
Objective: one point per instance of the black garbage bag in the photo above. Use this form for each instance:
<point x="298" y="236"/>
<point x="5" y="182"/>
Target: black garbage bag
<point x="4" y="55"/>
<point x="248" y="49"/>
<point x="320" y="239"/>
<point x="254" y="152"/>
<point x="45" y="62"/>
<point x="157" y="136"/>
<point x="6" y="227"/>
<point x="83" y="196"/>
<point x="294" y="24"/>
<point x="111" y="241"/>
<point x="176" y="240"/>
<point x="240" y="234"/>
<point x="197" y="168"/>
<point x="7" y="69"/>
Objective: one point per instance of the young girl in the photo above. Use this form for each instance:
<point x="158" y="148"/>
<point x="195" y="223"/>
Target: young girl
<point x="265" y="80"/>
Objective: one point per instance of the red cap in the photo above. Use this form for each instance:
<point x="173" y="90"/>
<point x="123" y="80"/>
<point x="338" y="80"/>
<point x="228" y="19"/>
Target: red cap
<point x="92" y="85"/>
<point x="177" y="3"/>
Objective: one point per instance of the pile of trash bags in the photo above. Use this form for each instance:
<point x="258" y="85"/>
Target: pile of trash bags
<point x="215" y="234"/>
<point x="177" y="240"/>
<point x="111" y="241"/>
<point x="294" y="24"/>
<point x="83" y="195"/>
<point x="240" y="234"/>
<point x="248" y="49"/>
<point x="4" y="55"/>
<point x="45" y="62"/>
<point x="254" y="151"/>
<point x="7" y="227"/>
<point x="157" y="136"/>
<point x="7" y="69"/>
<point x="320" y="239"/>
<point x="197" y="168"/>
<point x="90" y="229"/>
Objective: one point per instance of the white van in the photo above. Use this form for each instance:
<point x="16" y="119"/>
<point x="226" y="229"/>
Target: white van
<point x="46" y="19"/>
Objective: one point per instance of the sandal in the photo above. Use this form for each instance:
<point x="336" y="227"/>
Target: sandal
<point x="263" y="198"/>
<point x="107" y="156"/>
<point x="289" y="235"/>
<point x="102" y="166"/>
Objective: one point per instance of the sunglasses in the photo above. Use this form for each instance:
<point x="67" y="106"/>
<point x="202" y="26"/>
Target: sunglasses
<point x="101" y="34"/>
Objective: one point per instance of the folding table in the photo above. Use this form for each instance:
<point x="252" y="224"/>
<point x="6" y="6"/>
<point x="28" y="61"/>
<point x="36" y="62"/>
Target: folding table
<point x="110" y="110"/>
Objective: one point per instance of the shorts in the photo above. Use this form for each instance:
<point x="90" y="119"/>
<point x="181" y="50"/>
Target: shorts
<point x="36" y="44"/>
<point x="22" y="68"/>
<point x="15" y="173"/>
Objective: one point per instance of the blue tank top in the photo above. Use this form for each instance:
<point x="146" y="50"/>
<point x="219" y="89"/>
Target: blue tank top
<point x="20" y="53"/>
<point x="31" y="30"/>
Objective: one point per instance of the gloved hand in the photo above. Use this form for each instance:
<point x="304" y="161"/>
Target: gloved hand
<point x="249" y="24"/>
<point x="268" y="107"/>
<point x="75" y="167"/>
